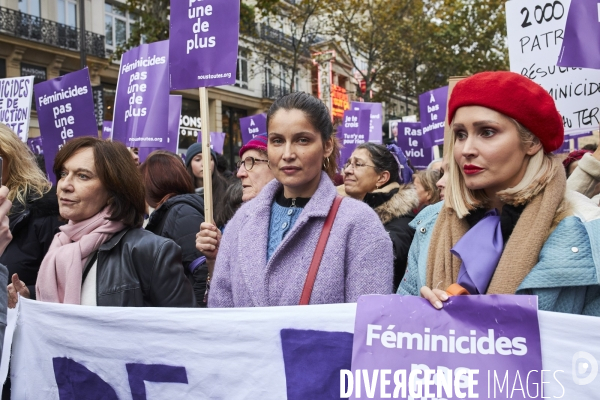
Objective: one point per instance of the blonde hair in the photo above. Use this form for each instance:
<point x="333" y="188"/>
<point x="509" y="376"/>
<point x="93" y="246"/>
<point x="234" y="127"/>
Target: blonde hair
<point x="25" y="178"/>
<point x="428" y="179"/>
<point x="537" y="175"/>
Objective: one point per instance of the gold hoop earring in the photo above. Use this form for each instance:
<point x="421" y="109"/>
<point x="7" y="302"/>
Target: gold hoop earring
<point x="326" y="163"/>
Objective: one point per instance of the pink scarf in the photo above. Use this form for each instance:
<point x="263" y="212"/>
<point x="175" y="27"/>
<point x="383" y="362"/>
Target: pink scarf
<point x="61" y="272"/>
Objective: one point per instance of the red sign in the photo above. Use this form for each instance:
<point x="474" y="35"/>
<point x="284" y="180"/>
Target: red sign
<point x="339" y="101"/>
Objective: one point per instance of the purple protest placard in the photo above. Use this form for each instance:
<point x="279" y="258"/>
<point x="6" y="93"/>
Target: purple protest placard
<point x="415" y="145"/>
<point x="433" y="106"/>
<point x="35" y="145"/>
<point x="65" y="108"/>
<point x="354" y="131"/>
<point x="460" y="351"/>
<point x="581" y="40"/>
<point x="204" y="42"/>
<point x="142" y="98"/>
<point x="106" y="130"/>
<point x="253" y="125"/>
<point x="15" y="104"/>
<point x="217" y="140"/>
<point x="565" y="148"/>
<point x="171" y="139"/>
<point x="376" y="110"/>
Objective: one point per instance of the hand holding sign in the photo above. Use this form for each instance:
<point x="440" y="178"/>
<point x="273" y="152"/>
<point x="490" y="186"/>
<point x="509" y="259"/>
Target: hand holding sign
<point x="208" y="240"/>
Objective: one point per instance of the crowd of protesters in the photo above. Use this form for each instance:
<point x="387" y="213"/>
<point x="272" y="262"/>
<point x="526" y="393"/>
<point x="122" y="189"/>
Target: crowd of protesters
<point x="496" y="215"/>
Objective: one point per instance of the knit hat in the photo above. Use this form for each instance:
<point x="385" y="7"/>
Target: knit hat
<point x="259" y="142"/>
<point x="194" y="149"/>
<point x="515" y="96"/>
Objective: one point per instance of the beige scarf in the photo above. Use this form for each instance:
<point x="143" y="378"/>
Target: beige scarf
<point x="521" y="253"/>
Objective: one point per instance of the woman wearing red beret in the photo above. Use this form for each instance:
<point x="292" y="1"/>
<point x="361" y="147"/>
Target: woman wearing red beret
<point x="506" y="225"/>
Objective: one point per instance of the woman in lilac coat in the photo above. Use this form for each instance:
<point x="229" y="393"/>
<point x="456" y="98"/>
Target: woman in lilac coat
<point x="269" y="244"/>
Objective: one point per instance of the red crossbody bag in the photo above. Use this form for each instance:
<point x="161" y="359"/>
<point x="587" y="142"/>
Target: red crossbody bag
<point x="316" y="260"/>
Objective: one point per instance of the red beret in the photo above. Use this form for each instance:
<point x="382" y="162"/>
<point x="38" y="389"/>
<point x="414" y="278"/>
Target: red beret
<point x="515" y="96"/>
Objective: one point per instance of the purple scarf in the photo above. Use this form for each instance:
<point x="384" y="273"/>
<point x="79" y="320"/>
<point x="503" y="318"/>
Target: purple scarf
<point x="480" y="250"/>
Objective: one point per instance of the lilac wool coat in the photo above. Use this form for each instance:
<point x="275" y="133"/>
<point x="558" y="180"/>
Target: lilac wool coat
<point x="358" y="258"/>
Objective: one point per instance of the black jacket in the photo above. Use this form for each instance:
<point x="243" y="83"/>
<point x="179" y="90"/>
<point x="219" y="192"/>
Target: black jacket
<point x="394" y="204"/>
<point x="139" y="269"/>
<point x="179" y="219"/>
<point x="33" y="226"/>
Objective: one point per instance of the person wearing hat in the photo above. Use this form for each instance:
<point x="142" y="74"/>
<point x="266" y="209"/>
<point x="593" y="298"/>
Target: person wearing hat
<point x="254" y="172"/>
<point x="507" y="225"/>
<point x="195" y="167"/>
<point x="583" y="172"/>
<point x="253" y="168"/>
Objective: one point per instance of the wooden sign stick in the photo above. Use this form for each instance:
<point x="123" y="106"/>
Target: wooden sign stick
<point x="206" y="157"/>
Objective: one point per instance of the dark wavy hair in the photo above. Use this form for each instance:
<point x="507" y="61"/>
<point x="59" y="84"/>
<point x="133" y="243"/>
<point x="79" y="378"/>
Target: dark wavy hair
<point x="118" y="173"/>
<point x="319" y="117"/>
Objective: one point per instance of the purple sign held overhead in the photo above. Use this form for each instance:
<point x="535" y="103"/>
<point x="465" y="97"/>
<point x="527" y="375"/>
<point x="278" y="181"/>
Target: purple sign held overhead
<point x="353" y="131"/>
<point x="142" y="99"/>
<point x="217" y="140"/>
<point x="581" y="40"/>
<point x="433" y="106"/>
<point x="106" y="130"/>
<point x="476" y="346"/>
<point x="413" y="143"/>
<point x="65" y="108"/>
<point x="204" y="42"/>
<point x="252" y="126"/>
<point x="171" y="141"/>
<point x="35" y="145"/>
<point x="376" y="110"/>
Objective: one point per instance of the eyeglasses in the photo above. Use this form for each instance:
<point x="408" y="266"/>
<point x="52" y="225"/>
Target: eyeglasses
<point x="356" y="165"/>
<point x="249" y="162"/>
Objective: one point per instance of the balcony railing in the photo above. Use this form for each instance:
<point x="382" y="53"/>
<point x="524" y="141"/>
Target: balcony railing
<point x="271" y="91"/>
<point x="41" y="30"/>
<point x="289" y="42"/>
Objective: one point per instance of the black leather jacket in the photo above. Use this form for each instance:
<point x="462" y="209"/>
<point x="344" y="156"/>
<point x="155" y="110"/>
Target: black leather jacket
<point x="137" y="268"/>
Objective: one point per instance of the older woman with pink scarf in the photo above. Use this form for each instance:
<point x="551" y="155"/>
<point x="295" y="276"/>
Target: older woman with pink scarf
<point x="101" y="257"/>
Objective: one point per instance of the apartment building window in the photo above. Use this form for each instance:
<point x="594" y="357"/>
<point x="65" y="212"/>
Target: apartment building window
<point x="118" y="26"/>
<point x="2" y="68"/>
<point x="31" y="7"/>
<point x="241" y="76"/>
<point x="67" y="12"/>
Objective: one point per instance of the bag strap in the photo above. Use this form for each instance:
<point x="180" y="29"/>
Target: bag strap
<point x="316" y="261"/>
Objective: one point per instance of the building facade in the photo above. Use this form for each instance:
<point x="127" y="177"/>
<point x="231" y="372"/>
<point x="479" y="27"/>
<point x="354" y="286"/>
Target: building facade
<point x="42" y="38"/>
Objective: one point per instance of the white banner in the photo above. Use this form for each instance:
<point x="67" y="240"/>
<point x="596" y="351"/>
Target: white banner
<point x="535" y="31"/>
<point x="15" y="104"/>
<point x="165" y="353"/>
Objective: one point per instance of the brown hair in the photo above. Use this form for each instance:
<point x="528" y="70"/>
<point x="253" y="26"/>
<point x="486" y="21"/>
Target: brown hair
<point x="117" y="172"/>
<point x="164" y="176"/>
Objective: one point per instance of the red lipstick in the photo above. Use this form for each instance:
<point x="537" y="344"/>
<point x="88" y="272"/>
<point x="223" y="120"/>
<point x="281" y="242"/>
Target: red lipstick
<point x="471" y="169"/>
